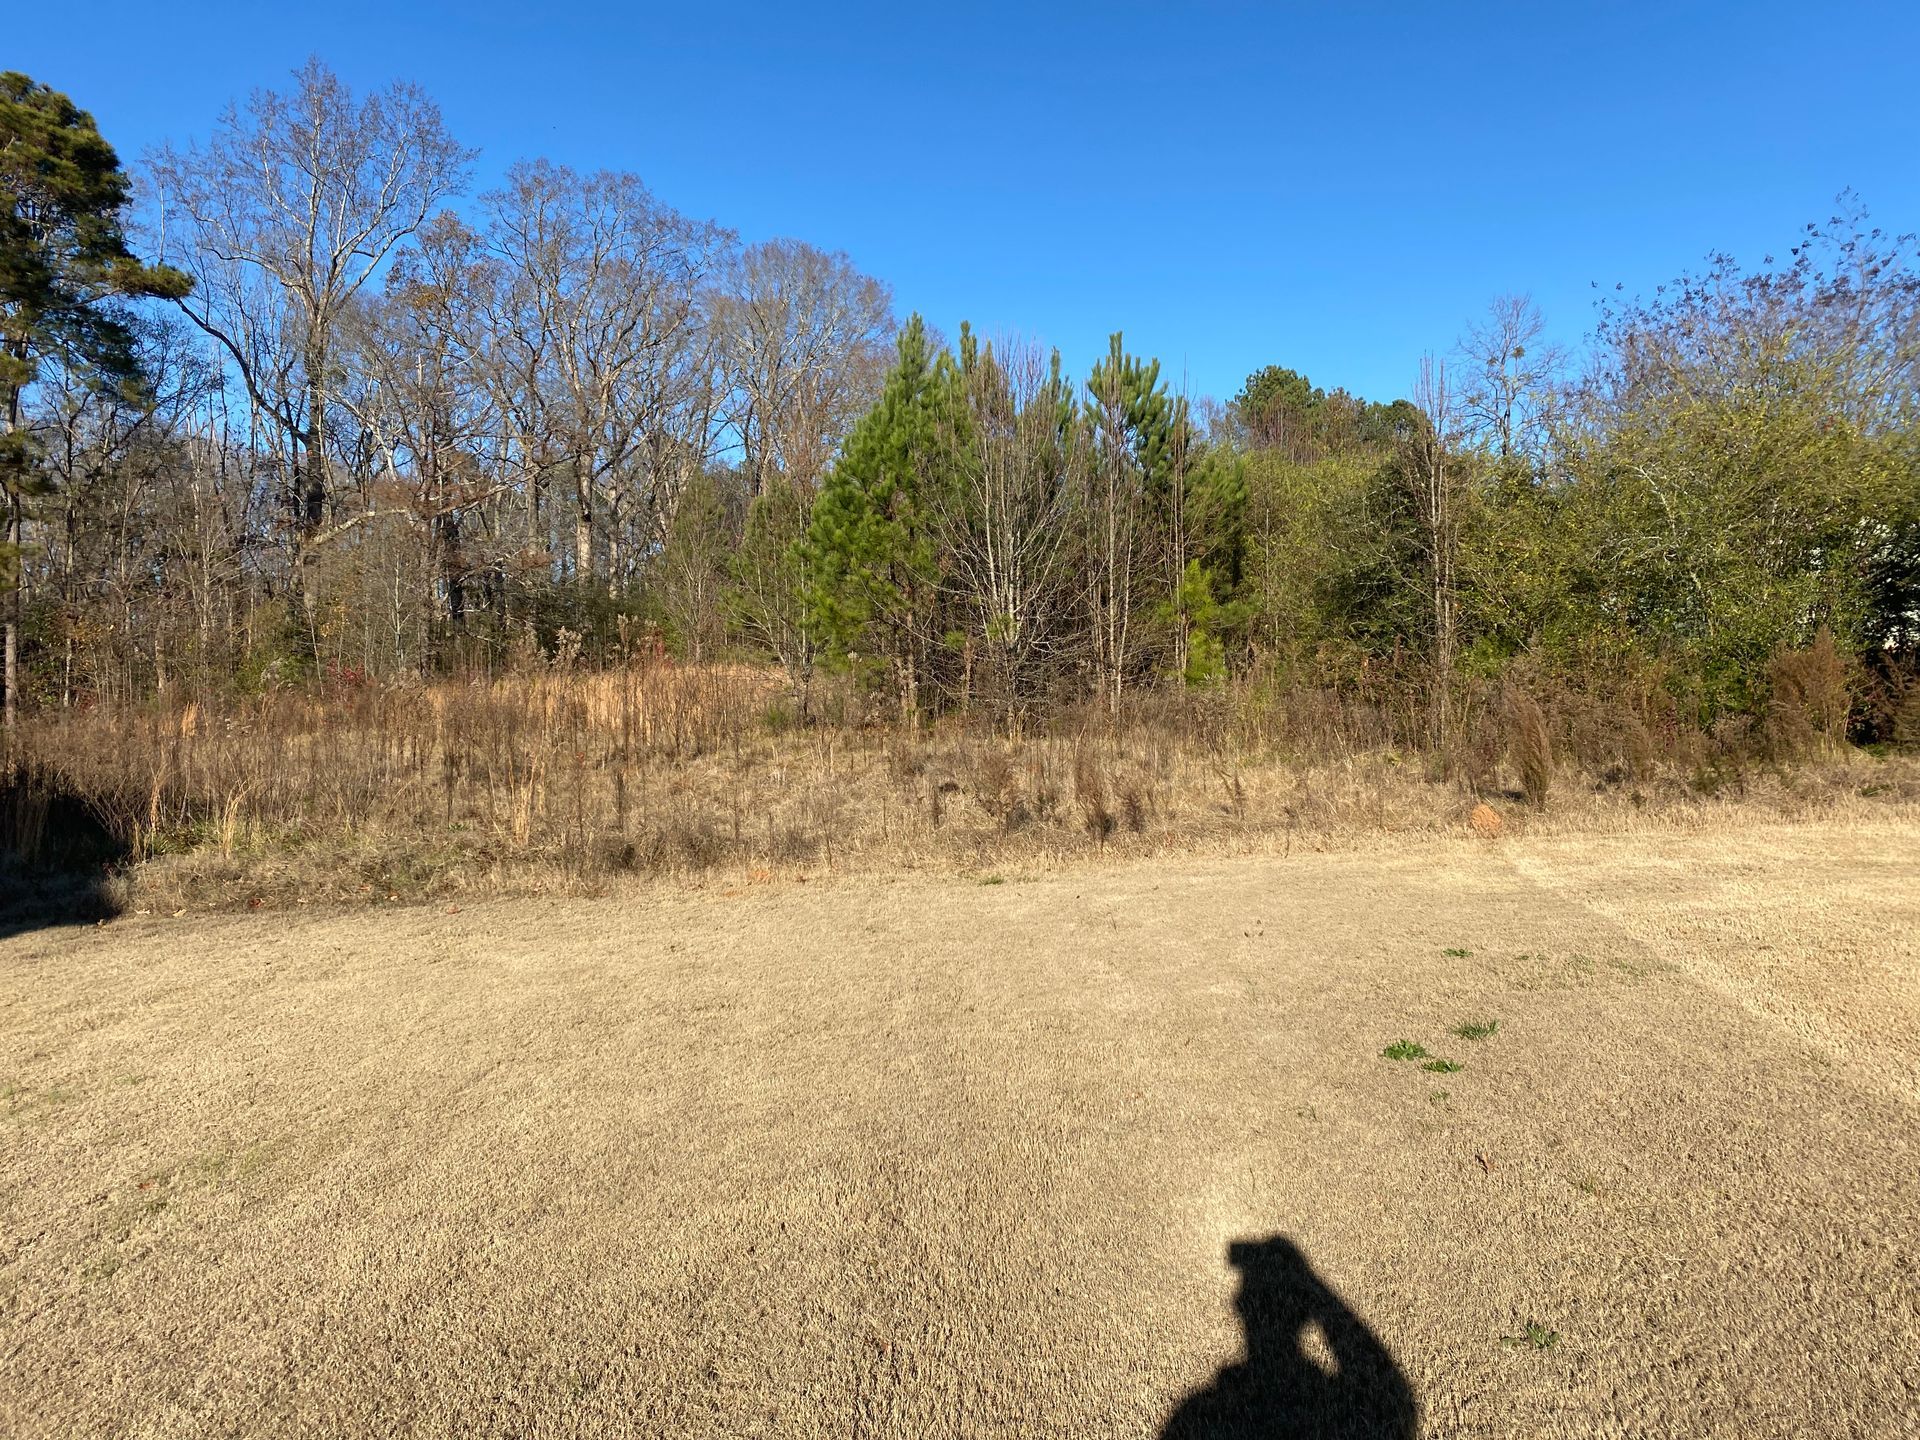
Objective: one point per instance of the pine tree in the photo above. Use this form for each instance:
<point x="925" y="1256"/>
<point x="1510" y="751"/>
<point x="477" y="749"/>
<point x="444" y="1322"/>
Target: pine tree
<point x="63" y="262"/>
<point x="1131" y="420"/>
<point x="870" y="550"/>
<point x="1166" y="517"/>
<point x="1208" y="547"/>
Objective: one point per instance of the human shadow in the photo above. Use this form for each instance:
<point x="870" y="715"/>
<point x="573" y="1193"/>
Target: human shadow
<point x="1283" y="1390"/>
<point x="58" y="859"/>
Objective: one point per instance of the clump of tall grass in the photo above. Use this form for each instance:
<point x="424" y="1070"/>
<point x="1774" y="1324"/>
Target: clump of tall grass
<point x="1810" y="694"/>
<point x="1532" y="745"/>
<point x="565" y="775"/>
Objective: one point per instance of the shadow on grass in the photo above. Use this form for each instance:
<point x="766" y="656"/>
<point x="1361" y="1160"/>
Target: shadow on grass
<point x="1341" y="1384"/>
<point x="58" y="861"/>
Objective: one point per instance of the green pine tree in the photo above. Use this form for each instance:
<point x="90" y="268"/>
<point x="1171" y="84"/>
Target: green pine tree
<point x="1166" y="502"/>
<point x="870" y="552"/>
<point x="64" y="262"/>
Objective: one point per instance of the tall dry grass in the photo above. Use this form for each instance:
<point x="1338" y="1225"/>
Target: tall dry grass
<point x="562" y="777"/>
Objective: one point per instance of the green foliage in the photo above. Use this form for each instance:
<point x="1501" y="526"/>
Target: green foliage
<point x="1205" y="618"/>
<point x="587" y="614"/>
<point x="1295" y="521"/>
<point x="64" y="266"/>
<point x="869" y="549"/>
<point x="768" y="576"/>
<point x="63" y="255"/>
<point x="1329" y="546"/>
<point x="1133" y="419"/>
<point x="1216" y="513"/>
<point x="1734" y="479"/>
<point x="1535" y="1336"/>
<point x="1476" y="1029"/>
<point x="280" y="655"/>
<point x="1444" y="1067"/>
<point x="1160" y="490"/>
<point x="1737" y="477"/>
<point x="1705" y="551"/>
<point x="1716" y="531"/>
<point x="1280" y="410"/>
<point x="1404" y="1050"/>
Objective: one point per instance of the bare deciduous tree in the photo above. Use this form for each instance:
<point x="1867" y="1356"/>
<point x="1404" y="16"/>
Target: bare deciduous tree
<point x="1007" y="534"/>
<point x="292" y="208"/>
<point x="604" y="294"/>
<point x="1435" y="477"/>
<point x="807" y="341"/>
<point x="1512" y="372"/>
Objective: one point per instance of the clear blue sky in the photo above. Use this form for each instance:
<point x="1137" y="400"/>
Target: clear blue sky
<point x="1334" y="187"/>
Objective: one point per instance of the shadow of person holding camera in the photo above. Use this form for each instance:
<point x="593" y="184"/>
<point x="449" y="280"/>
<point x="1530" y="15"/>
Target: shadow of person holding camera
<point x="1339" y="1383"/>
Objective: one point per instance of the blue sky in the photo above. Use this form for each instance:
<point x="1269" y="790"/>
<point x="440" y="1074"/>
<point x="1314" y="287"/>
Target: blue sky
<point x="1332" y="187"/>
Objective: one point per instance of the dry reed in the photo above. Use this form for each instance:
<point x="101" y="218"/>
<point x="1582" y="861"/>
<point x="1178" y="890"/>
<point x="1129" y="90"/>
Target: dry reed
<point x="563" y="777"/>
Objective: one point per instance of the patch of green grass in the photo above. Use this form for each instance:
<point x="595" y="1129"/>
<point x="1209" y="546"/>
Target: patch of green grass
<point x="1444" y="1066"/>
<point x="1404" y="1050"/>
<point x="1439" y="1097"/>
<point x="1476" y="1029"/>
<point x="179" y="839"/>
<point x="993" y="879"/>
<point x="1454" y="952"/>
<point x="1536" y="1335"/>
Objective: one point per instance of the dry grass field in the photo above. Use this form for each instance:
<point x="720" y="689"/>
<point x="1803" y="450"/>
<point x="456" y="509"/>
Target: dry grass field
<point x="1094" y="1149"/>
<point x="563" y="782"/>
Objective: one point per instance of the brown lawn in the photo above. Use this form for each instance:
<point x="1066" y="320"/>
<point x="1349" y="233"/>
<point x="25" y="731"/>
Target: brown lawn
<point x="1107" y="1151"/>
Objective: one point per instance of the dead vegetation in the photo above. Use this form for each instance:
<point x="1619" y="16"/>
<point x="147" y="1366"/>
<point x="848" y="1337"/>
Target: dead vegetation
<point x="913" y="1156"/>
<point x="559" y="778"/>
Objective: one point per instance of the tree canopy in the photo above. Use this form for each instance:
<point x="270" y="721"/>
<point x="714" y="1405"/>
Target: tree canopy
<point x="564" y="416"/>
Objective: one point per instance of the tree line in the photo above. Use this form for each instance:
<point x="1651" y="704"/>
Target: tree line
<point x="308" y="410"/>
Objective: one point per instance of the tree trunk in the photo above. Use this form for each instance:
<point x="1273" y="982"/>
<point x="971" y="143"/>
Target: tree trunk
<point x="313" y="473"/>
<point x="582" y="525"/>
<point x="1440" y="537"/>
<point x="451" y="574"/>
<point x="310" y="501"/>
<point x="10" y="676"/>
<point x="15" y="596"/>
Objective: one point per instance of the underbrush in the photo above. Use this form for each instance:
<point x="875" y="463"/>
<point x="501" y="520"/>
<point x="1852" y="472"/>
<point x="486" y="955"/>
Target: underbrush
<point x="567" y="780"/>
